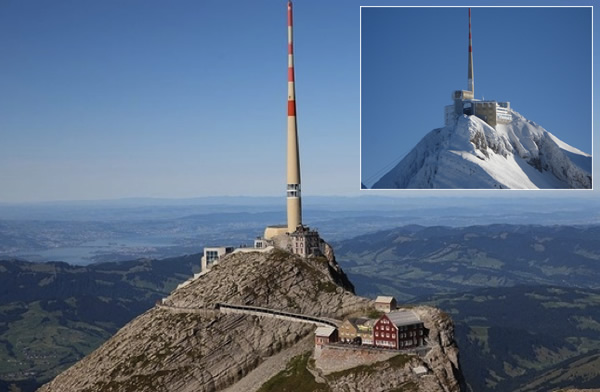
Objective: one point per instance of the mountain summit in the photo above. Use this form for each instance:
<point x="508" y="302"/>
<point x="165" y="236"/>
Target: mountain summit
<point x="473" y="155"/>
<point x="196" y="340"/>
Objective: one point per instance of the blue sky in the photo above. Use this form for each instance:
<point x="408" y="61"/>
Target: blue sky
<point x="539" y="59"/>
<point x="104" y="99"/>
<point x="111" y="99"/>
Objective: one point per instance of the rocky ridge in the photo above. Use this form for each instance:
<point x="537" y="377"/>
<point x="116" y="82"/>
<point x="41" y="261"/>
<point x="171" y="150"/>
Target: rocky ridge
<point x="472" y="154"/>
<point x="186" y="344"/>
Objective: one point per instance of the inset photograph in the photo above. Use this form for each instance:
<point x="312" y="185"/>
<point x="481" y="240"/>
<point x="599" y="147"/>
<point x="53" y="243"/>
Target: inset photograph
<point x="476" y="98"/>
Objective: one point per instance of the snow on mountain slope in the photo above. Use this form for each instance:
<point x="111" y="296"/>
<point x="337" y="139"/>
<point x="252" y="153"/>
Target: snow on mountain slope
<point x="473" y="155"/>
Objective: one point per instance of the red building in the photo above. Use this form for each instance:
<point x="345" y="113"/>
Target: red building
<point x="399" y="330"/>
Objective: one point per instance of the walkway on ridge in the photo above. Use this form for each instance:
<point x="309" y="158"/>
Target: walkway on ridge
<point x="256" y="311"/>
<point x="280" y="314"/>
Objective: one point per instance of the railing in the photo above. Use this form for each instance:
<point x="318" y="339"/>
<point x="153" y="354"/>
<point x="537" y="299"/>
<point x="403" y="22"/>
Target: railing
<point x="259" y="311"/>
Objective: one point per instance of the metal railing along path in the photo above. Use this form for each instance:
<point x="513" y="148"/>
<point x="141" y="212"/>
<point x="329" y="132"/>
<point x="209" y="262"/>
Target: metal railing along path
<point x="260" y="311"/>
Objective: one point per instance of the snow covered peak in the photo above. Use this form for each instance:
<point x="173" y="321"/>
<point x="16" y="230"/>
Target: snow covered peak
<point x="473" y="155"/>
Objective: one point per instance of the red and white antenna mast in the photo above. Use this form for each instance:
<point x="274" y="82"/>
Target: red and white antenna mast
<point x="294" y="205"/>
<point x="470" y="75"/>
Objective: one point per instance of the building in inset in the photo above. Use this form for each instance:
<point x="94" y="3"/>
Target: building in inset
<point x="399" y="330"/>
<point x="492" y="112"/>
<point x="385" y="303"/>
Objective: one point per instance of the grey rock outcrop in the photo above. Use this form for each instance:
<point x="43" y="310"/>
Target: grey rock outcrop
<point x="442" y="359"/>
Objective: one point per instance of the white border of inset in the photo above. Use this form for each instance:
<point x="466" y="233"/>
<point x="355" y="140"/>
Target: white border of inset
<point x="469" y="189"/>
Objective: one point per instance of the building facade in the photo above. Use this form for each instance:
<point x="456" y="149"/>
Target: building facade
<point x="385" y="303"/>
<point x="348" y="331"/>
<point x="385" y="333"/>
<point x="213" y="254"/>
<point x="357" y="330"/>
<point x="305" y="242"/>
<point x="365" y="331"/>
<point x="325" y="335"/>
<point x="399" y="330"/>
<point x="492" y="112"/>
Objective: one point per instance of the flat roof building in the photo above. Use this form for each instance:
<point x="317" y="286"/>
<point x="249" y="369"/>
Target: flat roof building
<point x="212" y="255"/>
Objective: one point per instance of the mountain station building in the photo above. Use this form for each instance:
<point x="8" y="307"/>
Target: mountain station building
<point x="399" y="330"/>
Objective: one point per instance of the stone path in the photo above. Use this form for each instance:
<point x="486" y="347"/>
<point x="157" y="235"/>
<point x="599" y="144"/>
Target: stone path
<point x="175" y="309"/>
<point x="255" y="311"/>
<point x="280" y="314"/>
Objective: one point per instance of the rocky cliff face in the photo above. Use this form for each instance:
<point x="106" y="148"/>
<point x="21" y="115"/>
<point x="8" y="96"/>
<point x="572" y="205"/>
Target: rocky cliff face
<point x="188" y="345"/>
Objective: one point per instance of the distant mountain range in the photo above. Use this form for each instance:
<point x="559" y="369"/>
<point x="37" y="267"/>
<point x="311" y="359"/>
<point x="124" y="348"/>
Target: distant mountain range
<point x="97" y="233"/>
<point x="473" y="155"/>
<point x="415" y="261"/>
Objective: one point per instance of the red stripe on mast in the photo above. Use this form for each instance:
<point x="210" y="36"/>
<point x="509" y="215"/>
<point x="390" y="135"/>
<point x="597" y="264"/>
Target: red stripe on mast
<point x="471" y="86"/>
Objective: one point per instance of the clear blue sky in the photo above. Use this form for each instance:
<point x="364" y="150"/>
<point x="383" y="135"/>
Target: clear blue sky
<point x="111" y="99"/>
<point x="103" y="99"/>
<point x="539" y="59"/>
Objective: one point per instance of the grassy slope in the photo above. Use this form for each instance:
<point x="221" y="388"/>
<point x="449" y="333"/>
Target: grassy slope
<point x="296" y="377"/>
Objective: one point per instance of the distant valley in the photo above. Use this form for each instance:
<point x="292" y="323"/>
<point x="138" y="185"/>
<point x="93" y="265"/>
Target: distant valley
<point x="525" y="299"/>
<point x="82" y="233"/>
<point x="53" y="314"/>
<point x="526" y="338"/>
